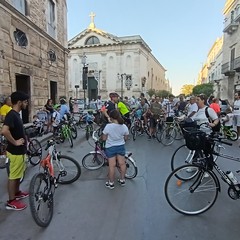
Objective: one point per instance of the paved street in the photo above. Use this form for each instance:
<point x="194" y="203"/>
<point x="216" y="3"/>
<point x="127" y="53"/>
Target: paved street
<point x="87" y="210"/>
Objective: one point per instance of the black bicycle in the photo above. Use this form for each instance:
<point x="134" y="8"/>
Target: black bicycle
<point x="194" y="192"/>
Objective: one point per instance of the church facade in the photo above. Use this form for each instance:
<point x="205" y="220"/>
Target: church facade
<point x="109" y="63"/>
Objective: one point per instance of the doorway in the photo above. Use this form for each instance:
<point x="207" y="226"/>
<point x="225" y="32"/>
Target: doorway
<point x="92" y="88"/>
<point x="23" y="84"/>
<point x="53" y="91"/>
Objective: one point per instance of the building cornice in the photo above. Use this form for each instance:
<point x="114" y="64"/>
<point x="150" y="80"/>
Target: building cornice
<point x="228" y="6"/>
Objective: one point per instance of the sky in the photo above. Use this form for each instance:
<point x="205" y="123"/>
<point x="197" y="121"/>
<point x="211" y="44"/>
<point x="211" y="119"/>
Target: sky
<point x="179" y="32"/>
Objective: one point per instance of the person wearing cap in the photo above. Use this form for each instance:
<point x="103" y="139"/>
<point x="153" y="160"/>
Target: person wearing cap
<point x="13" y="131"/>
<point x="109" y="106"/>
<point x="192" y="108"/>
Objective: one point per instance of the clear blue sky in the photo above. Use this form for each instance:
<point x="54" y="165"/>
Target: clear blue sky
<point x="180" y="33"/>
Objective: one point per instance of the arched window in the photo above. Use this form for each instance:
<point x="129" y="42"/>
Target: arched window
<point x="92" y="40"/>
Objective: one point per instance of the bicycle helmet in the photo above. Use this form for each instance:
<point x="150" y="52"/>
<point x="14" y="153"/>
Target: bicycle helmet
<point x="56" y="106"/>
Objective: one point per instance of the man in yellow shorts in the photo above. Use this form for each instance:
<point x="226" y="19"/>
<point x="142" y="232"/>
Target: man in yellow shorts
<point x="13" y="130"/>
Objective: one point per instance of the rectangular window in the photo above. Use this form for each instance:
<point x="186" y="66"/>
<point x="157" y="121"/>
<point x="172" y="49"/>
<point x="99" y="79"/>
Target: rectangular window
<point x="20" y="5"/>
<point x="51" y="18"/>
<point x="232" y="59"/>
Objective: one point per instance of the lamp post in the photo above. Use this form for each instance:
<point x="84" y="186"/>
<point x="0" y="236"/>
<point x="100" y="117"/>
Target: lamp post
<point x="84" y="77"/>
<point x="121" y="77"/>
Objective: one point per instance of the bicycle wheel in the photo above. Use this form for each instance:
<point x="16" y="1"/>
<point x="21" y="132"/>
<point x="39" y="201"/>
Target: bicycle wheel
<point x="41" y="199"/>
<point x="34" y="152"/>
<point x="232" y="135"/>
<point x="87" y="134"/>
<point x="182" y="156"/>
<point x="131" y="168"/>
<point x="193" y="196"/>
<point x="93" y="161"/>
<point x="179" y="134"/>
<point x="73" y="129"/>
<point x="168" y="136"/>
<point x="66" y="169"/>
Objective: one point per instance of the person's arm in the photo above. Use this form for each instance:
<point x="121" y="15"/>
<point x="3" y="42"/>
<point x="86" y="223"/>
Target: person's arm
<point x="7" y="134"/>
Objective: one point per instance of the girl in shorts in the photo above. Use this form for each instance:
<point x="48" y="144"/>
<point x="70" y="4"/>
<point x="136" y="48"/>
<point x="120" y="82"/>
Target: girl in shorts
<point x="115" y="134"/>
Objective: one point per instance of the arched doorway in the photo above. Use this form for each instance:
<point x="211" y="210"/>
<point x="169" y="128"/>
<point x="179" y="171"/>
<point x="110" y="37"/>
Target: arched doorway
<point x="92" y="88"/>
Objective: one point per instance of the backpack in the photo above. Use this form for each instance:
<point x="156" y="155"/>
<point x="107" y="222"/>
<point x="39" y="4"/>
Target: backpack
<point x="215" y="128"/>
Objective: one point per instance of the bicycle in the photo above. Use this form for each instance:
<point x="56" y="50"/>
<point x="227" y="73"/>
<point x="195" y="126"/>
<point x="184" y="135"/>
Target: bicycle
<point x="63" y="132"/>
<point x="139" y="128"/>
<point x="57" y="169"/>
<point x="192" y="193"/>
<point x="97" y="158"/>
<point x="229" y="133"/>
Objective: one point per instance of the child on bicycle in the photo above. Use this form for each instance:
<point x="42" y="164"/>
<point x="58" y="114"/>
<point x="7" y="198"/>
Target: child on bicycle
<point x="227" y="121"/>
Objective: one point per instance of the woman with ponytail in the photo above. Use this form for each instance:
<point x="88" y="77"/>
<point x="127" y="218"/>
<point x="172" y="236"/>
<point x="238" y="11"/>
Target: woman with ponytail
<point x="115" y="134"/>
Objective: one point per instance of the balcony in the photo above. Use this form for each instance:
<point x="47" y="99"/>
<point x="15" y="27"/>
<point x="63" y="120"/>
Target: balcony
<point x="237" y="64"/>
<point x="230" y="26"/>
<point x="237" y="15"/>
<point x="227" y="69"/>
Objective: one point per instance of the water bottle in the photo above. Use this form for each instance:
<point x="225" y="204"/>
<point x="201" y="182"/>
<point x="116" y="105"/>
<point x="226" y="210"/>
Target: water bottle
<point x="232" y="177"/>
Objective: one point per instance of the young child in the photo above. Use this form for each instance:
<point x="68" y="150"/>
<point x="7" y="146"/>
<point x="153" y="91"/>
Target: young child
<point x="56" y="117"/>
<point x="228" y="119"/>
<point x="38" y="125"/>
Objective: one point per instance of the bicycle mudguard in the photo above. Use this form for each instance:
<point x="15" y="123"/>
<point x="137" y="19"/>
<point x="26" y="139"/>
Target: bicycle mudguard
<point x="96" y="152"/>
<point x="132" y="160"/>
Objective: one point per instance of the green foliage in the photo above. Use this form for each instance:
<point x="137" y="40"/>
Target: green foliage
<point x="163" y="93"/>
<point x="206" y="88"/>
<point x="151" y="92"/>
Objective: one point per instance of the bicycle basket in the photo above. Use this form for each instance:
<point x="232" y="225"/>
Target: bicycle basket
<point x="195" y="140"/>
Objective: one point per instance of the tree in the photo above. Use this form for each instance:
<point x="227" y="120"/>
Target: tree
<point x="206" y="88"/>
<point x="151" y="92"/>
<point x="187" y="89"/>
<point x="163" y="93"/>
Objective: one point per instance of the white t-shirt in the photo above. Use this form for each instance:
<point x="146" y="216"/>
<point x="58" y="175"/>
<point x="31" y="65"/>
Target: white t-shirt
<point x="116" y="133"/>
<point x="192" y="108"/>
<point x="229" y="123"/>
<point x="56" y="118"/>
<point x="200" y="117"/>
<point x="236" y="107"/>
<point x="99" y="104"/>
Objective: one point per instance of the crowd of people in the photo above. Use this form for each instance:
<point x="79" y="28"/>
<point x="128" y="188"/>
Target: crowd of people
<point x="116" y="118"/>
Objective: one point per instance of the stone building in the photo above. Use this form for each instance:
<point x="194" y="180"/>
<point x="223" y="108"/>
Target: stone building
<point x="231" y="49"/>
<point x="214" y="66"/>
<point x="33" y="50"/>
<point x="122" y="64"/>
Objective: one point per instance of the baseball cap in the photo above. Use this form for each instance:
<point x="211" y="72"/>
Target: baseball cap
<point x="113" y="94"/>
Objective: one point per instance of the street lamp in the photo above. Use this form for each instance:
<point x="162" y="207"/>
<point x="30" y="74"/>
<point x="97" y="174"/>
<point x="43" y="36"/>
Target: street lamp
<point x="121" y="77"/>
<point x="84" y="77"/>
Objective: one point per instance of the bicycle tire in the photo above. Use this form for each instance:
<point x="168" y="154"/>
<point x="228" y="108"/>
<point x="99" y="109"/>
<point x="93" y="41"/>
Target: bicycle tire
<point x="35" y="152"/>
<point x="73" y="129"/>
<point x="69" y="170"/>
<point x="168" y="136"/>
<point x="233" y="136"/>
<point x="179" y="134"/>
<point x="131" y="168"/>
<point x="93" y="161"/>
<point x="39" y="197"/>
<point x="87" y="133"/>
<point x="184" y="201"/>
<point x="183" y="156"/>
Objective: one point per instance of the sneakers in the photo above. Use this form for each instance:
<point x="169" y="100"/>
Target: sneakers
<point x="121" y="182"/>
<point x="149" y="137"/>
<point x="21" y="195"/>
<point x="153" y="136"/>
<point x="109" y="185"/>
<point x="15" y="205"/>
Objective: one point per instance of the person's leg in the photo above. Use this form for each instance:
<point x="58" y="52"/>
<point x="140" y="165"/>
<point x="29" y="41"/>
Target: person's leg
<point x="13" y="188"/>
<point x="122" y="166"/>
<point x="112" y="165"/>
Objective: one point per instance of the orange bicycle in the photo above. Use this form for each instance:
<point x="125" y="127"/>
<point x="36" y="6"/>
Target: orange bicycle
<point x="57" y="168"/>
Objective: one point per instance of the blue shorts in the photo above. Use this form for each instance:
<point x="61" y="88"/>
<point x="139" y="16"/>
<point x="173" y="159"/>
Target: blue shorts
<point x="115" y="150"/>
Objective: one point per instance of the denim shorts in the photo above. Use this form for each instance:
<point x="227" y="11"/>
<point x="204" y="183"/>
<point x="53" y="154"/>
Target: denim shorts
<point x="115" y="150"/>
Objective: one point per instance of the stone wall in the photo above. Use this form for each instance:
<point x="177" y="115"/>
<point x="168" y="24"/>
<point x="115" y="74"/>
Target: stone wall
<point x="33" y="60"/>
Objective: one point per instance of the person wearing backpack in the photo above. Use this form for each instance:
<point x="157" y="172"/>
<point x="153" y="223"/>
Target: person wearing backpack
<point x="206" y="114"/>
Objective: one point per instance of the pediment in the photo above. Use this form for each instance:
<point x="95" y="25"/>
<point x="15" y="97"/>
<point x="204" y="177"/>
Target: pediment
<point x="104" y="38"/>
